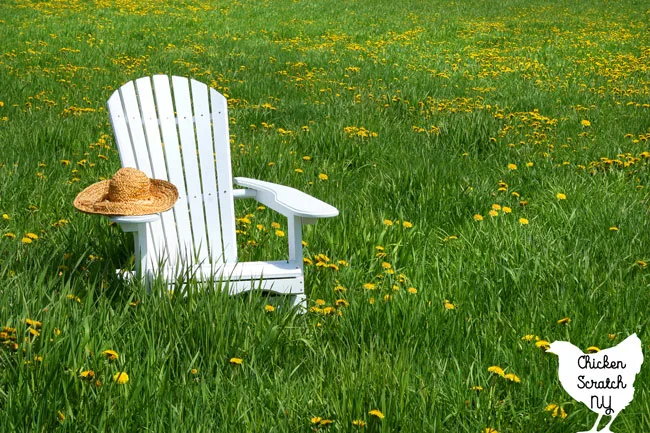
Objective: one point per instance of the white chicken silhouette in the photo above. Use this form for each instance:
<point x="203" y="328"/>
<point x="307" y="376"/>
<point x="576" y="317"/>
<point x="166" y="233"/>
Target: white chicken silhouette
<point x="603" y="380"/>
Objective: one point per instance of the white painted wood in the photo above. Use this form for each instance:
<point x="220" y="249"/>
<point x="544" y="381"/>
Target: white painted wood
<point x="295" y="239"/>
<point x="219" y="106"/>
<point x="186" y="133"/>
<point x="206" y="152"/>
<point x="163" y="234"/>
<point x="171" y="149"/>
<point x="180" y="133"/>
<point x="288" y="201"/>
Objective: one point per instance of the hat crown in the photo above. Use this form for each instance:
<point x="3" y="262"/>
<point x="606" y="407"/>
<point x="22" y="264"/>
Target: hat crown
<point x="129" y="185"/>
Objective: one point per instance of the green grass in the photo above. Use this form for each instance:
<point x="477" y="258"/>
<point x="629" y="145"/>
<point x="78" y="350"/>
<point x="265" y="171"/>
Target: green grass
<point x="449" y="94"/>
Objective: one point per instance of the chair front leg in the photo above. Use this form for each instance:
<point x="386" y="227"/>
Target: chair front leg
<point x="295" y="240"/>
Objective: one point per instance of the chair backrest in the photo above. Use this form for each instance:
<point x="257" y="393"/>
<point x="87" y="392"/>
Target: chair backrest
<point x="176" y="129"/>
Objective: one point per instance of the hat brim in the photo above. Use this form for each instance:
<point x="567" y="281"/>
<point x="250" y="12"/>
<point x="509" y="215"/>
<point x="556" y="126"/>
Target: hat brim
<point x="94" y="200"/>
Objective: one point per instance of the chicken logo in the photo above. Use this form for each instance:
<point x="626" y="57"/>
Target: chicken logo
<point x="603" y="380"/>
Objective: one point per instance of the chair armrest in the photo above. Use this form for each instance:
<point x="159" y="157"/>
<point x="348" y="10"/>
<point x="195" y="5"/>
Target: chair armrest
<point x="286" y="200"/>
<point x="131" y="223"/>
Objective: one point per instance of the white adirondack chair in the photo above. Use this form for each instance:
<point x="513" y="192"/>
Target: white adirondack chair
<point x="176" y="129"/>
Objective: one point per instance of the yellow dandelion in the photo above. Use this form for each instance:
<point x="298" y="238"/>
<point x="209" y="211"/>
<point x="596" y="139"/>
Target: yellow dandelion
<point x="523" y="221"/>
<point x="407" y="224"/>
<point x="61" y="416"/>
<point x="386" y="265"/>
<point x="512" y="166"/>
<point x="448" y="305"/>
<point x="236" y="361"/>
<point x="564" y="321"/>
<point x="592" y="349"/>
<point x="269" y="308"/>
<point x="496" y="206"/>
<point x="506" y="209"/>
<point x="560" y="196"/>
<point x="111" y="355"/>
<point x="306" y="158"/>
<point x="121" y="377"/>
<point x="496" y="370"/>
<point x="478" y="217"/>
<point x="323" y="176"/>
<point x="585" y="123"/>
<point x="489" y="430"/>
<point x="307" y="261"/>
<point x="325" y="422"/>
<point x="543" y="344"/>
<point x="358" y="423"/>
<point x="369" y="286"/>
<point x="26" y="240"/>
<point x="529" y="164"/>
<point x="476" y="388"/>
<point x="194" y="371"/>
<point x="376" y="413"/>
<point x="641" y="263"/>
<point x="613" y="228"/>
<point x="279" y="233"/>
<point x="33" y="323"/>
<point x="528" y="337"/>
<point x="412" y="290"/>
<point x="9" y="235"/>
<point x="316" y="419"/>
<point x="5" y="216"/>
<point x="512" y="377"/>
<point x="388" y="223"/>
<point x="87" y="375"/>
<point x="493" y="213"/>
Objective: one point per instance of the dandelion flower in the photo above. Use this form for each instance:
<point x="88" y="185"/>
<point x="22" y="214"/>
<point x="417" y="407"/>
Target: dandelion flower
<point x="5" y="216"/>
<point x="9" y="235"/>
<point x="496" y="206"/>
<point x="388" y="223"/>
<point x="369" y="286"/>
<point x="478" y="217"/>
<point x="613" y="228"/>
<point x="543" y="344"/>
<point x="592" y="349"/>
<point x="121" y="377"/>
<point x="523" y="221"/>
<point x="323" y="176"/>
<point x="33" y="323"/>
<point x="560" y="196"/>
<point x="236" y="361"/>
<point x="269" y="308"/>
<point x="325" y="422"/>
<point x="377" y="413"/>
<point x="26" y="240"/>
<point x="476" y="388"/>
<point x="316" y="419"/>
<point x="493" y="213"/>
<point x="448" y="305"/>
<point x="528" y="337"/>
<point x="585" y="123"/>
<point x="564" y="321"/>
<point x="512" y="166"/>
<point x="529" y="164"/>
<point x="506" y="209"/>
<point x="87" y="375"/>
<point x="358" y="423"/>
<point x="641" y="263"/>
<point x="412" y="290"/>
<point x="61" y="416"/>
<point x="489" y="430"/>
<point x="407" y="224"/>
<point x="279" y="233"/>
<point x="512" y="377"/>
<point x="496" y="370"/>
<point x="110" y="354"/>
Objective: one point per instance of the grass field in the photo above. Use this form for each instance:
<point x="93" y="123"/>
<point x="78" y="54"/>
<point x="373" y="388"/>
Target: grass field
<point x="490" y="162"/>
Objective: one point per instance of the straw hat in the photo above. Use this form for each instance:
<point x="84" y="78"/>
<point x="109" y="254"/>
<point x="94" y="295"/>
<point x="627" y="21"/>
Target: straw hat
<point x="129" y="192"/>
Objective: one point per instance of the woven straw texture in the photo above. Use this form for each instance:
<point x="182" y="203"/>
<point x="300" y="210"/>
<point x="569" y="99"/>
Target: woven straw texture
<point x="130" y="192"/>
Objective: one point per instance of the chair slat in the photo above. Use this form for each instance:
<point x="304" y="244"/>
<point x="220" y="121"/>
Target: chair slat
<point x="202" y="122"/>
<point x="224" y="174"/>
<point x="164" y="232"/>
<point x="121" y="130"/>
<point x="167" y="119"/>
<point x="183" y="104"/>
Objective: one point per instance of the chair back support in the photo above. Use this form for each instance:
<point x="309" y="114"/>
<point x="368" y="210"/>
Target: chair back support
<point x="176" y="129"/>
